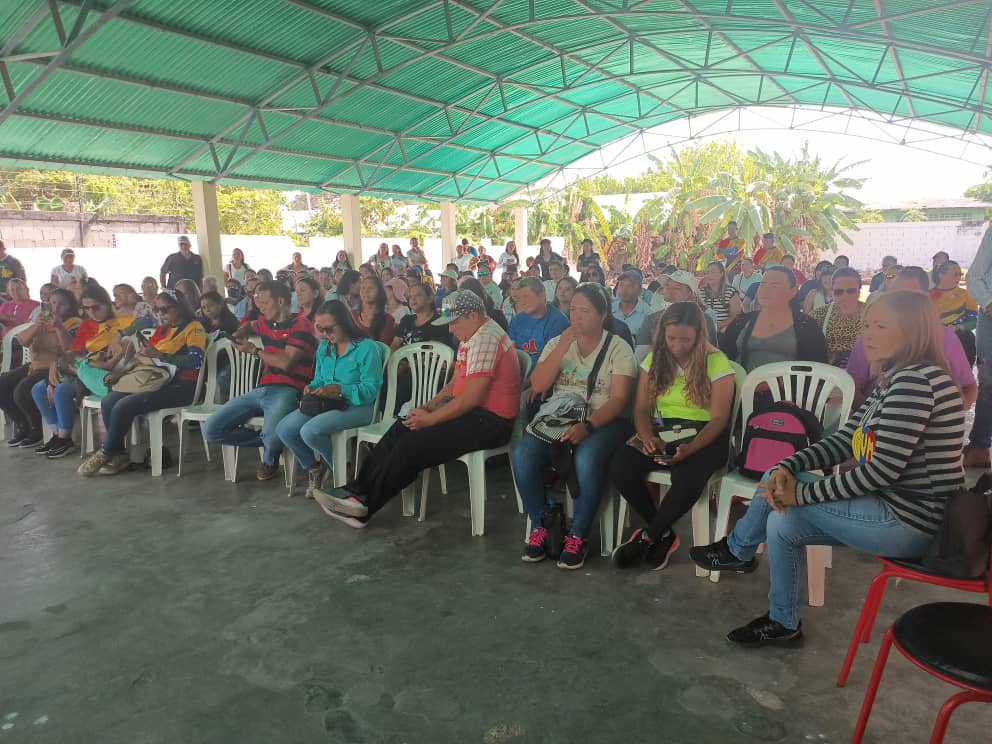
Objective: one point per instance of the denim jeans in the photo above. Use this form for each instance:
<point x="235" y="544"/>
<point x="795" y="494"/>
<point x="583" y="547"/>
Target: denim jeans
<point x="981" y="430"/>
<point x="62" y="415"/>
<point x="592" y="459"/>
<point x="272" y="402"/>
<point x="305" y="435"/>
<point x="866" y="524"/>
<point x="120" y="409"/>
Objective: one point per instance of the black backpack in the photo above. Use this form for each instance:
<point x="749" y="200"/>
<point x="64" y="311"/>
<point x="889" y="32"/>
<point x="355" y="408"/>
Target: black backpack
<point x="774" y="432"/>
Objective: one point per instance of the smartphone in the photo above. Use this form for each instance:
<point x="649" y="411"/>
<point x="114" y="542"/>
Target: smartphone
<point x="46" y="308"/>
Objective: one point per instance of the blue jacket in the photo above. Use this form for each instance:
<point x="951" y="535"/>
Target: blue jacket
<point x="358" y="372"/>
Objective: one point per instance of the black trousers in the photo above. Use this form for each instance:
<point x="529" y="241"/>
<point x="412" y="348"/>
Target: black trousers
<point x="401" y="454"/>
<point x="15" y="397"/>
<point x="630" y="468"/>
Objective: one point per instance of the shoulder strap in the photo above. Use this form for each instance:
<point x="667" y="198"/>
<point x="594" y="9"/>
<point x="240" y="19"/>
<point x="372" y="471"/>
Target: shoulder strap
<point x="594" y="373"/>
<point x="826" y="317"/>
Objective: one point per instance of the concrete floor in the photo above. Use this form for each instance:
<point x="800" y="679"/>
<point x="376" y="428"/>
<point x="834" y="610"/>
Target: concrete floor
<point x="139" y="610"/>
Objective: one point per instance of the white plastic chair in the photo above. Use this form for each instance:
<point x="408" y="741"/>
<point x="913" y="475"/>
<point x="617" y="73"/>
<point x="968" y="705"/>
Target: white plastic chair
<point x="811" y="386"/>
<point x="701" y="509"/>
<point x="203" y="407"/>
<point x="7" y="364"/>
<point x="341" y="439"/>
<point x="475" y="461"/>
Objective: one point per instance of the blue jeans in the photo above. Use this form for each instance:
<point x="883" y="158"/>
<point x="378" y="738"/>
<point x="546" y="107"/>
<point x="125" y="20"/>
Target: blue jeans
<point x="592" y="459"/>
<point x="61" y="416"/>
<point x="120" y="409"/>
<point x="272" y="402"/>
<point x="305" y="435"/>
<point x="866" y="524"/>
<point x="981" y="430"/>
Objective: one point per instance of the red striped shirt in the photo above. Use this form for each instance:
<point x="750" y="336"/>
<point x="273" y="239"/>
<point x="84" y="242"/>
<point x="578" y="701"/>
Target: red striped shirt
<point x="297" y="332"/>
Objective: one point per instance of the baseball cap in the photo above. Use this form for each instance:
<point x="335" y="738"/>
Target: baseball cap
<point x="633" y="274"/>
<point x="685" y="277"/>
<point x="457" y="305"/>
<point x="184" y="239"/>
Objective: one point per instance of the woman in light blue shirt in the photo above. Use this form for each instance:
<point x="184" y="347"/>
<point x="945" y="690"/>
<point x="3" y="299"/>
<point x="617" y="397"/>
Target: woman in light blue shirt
<point x="345" y="385"/>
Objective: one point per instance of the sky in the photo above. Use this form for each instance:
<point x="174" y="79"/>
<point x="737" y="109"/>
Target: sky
<point x="895" y="173"/>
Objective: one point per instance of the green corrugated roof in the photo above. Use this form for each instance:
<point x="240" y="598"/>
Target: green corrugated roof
<point x="449" y="99"/>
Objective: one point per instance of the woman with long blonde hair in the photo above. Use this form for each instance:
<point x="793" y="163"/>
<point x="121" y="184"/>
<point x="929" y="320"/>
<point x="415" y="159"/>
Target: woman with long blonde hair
<point x="685" y="394"/>
<point x="906" y="440"/>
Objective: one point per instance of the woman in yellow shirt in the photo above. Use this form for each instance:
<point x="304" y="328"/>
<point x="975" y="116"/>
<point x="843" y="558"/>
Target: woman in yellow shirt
<point x="957" y="309"/>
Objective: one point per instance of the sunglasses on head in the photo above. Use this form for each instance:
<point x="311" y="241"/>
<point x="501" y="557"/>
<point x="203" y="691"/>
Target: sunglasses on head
<point x="849" y="290"/>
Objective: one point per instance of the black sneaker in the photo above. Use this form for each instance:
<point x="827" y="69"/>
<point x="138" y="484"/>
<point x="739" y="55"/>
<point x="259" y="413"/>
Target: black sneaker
<point x="43" y="449"/>
<point x="632" y="552"/>
<point x="15" y="441"/>
<point x="61" y="448"/>
<point x="764" y="630"/>
<point x="32" y="439"/>
<point x="536" y="548"/>
<point x="573" y="555"/>
<point x="661" y="550"/>
<point x="717" y="557"/>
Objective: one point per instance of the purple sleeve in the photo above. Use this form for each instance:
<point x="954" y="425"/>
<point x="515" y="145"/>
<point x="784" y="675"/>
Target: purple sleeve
<point x="957" y="361"/>
<point x="858" y="367"/>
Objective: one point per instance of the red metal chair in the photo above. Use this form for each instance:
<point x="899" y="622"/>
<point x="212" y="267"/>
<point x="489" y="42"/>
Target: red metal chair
<point x="948" y="640"/>
<point x="900" y="569"/>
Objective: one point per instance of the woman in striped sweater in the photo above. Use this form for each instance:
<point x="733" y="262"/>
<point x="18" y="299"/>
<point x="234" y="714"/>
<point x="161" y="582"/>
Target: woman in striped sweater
<point x="906" y="438"/>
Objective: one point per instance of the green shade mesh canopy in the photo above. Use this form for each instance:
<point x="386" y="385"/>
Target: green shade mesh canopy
<point x="452" y="100"/>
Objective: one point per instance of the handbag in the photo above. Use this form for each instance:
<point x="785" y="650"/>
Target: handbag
<point x="960" y="549"/>
<point x="143" y="375"/>
<point x="313" y="405"/>
<point x="550" y="428"/>
<point x="91" y="377"/>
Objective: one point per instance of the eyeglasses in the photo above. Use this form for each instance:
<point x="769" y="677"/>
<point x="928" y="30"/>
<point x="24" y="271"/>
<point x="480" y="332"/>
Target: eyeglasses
<point x="326" y="329"/>
<point x="849" y="290"/>
<point x="91" y="308"/>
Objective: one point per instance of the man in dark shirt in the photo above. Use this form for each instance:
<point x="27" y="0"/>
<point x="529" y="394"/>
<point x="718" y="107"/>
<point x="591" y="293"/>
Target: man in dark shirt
<point x="10" y="268"/>
<point x="287" y="353"/>
<point x="184" y="264"/>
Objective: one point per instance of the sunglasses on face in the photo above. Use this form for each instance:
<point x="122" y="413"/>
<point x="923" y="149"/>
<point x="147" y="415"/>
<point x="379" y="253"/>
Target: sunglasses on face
<point x="326" y="330"/>
<point x="849" y="290"/>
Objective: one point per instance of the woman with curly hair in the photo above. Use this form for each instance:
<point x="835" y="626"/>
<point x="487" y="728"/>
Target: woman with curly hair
<point x="686" y="382"/>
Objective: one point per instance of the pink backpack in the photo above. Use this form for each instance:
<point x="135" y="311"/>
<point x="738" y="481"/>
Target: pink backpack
<point x="774" y="433"/>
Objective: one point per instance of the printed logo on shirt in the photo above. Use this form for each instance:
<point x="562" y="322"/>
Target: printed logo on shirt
<point x="863" y="444"/>
<point x="529" y="346"/>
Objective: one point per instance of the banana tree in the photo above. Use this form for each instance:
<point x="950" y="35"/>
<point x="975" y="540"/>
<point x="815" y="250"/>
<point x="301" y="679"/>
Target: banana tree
<point x="733" y="199"/>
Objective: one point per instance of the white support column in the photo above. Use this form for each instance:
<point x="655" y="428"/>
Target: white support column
<point x="520" y="231"/>
<point x="448" y="236"/>
<point x="207" y="228"/>
<point x="351" y="214"/>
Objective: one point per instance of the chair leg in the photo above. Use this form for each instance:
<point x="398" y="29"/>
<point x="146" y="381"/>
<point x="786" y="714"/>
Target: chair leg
<point x="948" y="708"/>
<point x="477" y="493"/>
<point x="425" y="481"/>
<point x="817" y="557"/>
<point x="606" y="529"/>
<point x="86" y="438"/>
<point x="516" y="491"/>
<point x="181" y="425"/>
<point x="701" y="527"/>
<point x="206" y="444"/>
<point x="230" y="457"/>
<point x="444" y="480"/>
<point x="872" y="690"/>
<point x="621" y="519"/>
<point x="721" y="527"/>
<point x="866" y="619"/>
<point x="339" y="449"/>
<point x="527" y="530"/>
<point x="155" y="445"/>
<point x="289" y="467"/>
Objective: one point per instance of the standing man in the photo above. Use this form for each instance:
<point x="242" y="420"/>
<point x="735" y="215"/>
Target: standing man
<point x="878" y="281"/>
<point x="536" y="322"/>
<point x="183" y="264"/>
<point x="463" y="259"/>
<point x="979" y="282"/>
<point x="287" y="354"/>
<point x="10" y="268"/>
<point x="768" y="253"/>
<point x="731" y="248"/>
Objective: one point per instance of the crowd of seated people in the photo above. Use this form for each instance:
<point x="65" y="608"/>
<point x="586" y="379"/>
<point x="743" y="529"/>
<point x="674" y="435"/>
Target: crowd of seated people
<point x="647" y="357"/>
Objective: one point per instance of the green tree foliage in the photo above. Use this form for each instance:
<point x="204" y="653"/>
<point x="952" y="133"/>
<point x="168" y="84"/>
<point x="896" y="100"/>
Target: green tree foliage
<point x="869" y="215"/>
<point x="913" y="215"/>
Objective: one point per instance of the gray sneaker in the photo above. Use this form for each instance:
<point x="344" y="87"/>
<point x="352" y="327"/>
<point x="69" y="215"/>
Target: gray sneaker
<point x="118" y="463"/>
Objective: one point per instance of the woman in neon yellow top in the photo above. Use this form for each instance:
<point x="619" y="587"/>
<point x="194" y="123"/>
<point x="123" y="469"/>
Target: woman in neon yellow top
<point x="684" y="381"/>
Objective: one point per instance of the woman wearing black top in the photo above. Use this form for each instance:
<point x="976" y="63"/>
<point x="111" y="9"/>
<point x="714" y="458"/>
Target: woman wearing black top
<point x="215" y="315"/>
<point x="417" y="327"/>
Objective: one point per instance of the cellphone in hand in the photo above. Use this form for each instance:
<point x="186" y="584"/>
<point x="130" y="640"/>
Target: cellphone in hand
<point x="46" y="308"/>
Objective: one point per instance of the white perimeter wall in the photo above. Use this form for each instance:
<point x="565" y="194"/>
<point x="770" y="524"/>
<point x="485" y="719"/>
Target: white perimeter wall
<point x="913" y="243"/>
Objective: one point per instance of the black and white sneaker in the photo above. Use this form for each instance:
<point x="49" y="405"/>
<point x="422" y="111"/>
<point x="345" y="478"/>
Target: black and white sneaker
<point x="717" y="557"/>
<point x="661" y="550"/>
<point x="61" y="448"/>
<point x="632" y="552"/>
<point x="15" y="441"/>
<point x="31" y="439"/>
<point x="43" y="449"/>
<point x="764" y="630"/>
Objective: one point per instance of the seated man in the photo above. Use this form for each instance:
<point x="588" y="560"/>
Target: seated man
<point x="915" y="279"/>
<point x="536" y="322"/>
<point x="629" y="307"/>
<point x="680" y="287"/>
<point x="474" y="411"/>
<point x="287" y="354"/>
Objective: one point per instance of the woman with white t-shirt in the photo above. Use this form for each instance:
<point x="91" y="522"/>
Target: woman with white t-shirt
<point x="237" y="269"/>
<point x="68" y="273"/>
<point x="566" y="365"/>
